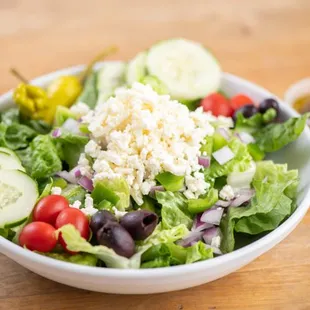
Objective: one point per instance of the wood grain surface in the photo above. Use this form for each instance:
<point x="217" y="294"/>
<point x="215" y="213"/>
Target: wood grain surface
<point x="265" y="41"/>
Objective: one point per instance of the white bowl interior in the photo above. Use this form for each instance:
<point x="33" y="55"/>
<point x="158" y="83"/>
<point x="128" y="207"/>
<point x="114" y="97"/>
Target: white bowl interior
<point x="178" y="277"/>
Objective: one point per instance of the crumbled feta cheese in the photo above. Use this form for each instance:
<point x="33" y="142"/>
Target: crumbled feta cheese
<point x="89" y="206"/>
<point x="216" y="242"/>
<point x="118" y="214"/>
<point x="138" y="134"/>
<point x="56" y="190"/>
<point x="80" y="109"/>
<point x="76" y="204"/>
<point x="227" y="192"/>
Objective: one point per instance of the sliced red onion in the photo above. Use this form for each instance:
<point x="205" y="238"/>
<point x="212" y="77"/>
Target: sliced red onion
<point x="69" y="177"/>
<point x="211" y="233"/>
<point x="223" y="203"/>
<point x="72" y="125"/>
<point x="155" y="189"/>
<point x="214" y="249"/>
<point x="212" y="216"/>
<point x="243" y="196"/>
<point x="224" y="133"/>
<point x="190" y="239"/>
<point x="86" y="183"/>
<point x="198" y="225"/>
<point x="56" y="133"/>
<point x="223" y="155"/>
<point x="204" y="161"/>
<point x="76" y="172"/>
<point x="245" y="137"/>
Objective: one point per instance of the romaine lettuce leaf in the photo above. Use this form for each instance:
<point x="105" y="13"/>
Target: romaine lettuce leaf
<point x="255" y="122"/>
<point x="174" y="209"/>
<point x="71" y="146"/>
<point x="240" y="163"/>
<point x="275" y="136"/>
<point x="89" y="94"/>
<point x="267" y="209"/>
<point x="198" y="252"/>
<point x="44" y="160"/>
<point x="76" y="243"/>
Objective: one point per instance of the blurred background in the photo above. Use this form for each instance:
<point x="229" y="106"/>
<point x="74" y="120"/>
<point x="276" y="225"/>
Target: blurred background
<point x="265" y="41"/>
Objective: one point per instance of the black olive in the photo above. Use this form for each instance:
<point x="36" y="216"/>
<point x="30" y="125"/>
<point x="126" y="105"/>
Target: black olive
<point x="268" y="104"/>
<point x="116" y="237"/>
<point x="247" y="111"/>
<point x="140" y="224"/>
<point x="99" y="219"/>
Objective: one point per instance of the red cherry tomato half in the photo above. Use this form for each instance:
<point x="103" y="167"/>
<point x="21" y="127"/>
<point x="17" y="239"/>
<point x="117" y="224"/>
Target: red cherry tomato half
<point x="38" y="236"/>
<point x="239" y="101"/>
<point x="217" y="104"/>
<point x="75" y="217"/>
<point x="49" y="207"/>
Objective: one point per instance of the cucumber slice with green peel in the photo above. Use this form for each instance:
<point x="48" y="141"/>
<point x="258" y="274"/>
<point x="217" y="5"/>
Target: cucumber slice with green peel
<point x="187" y="68"/>
<point x="9" y="152"/>
<point x="158" y="86"/>
<point x="9" y="161"/>
<point x="136" y="69"/>
<point x="18" y="195"/>
<point x="110" y="76"/>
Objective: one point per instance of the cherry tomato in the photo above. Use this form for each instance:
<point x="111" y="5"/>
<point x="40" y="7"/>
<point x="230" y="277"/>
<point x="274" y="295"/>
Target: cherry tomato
<point x="49" y="207"/>
<point x="38" y="236"/>
<point x="239" y="101"/>
<point x="75" y="217"/>
<point x="217" y="104"/>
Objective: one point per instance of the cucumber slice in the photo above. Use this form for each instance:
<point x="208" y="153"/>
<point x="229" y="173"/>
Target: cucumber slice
<point x="156" y="84"/>
<point x="9" y="152"/>
<point x="8" y="161"/>
<point x="110" y="76"/>
<point x="187" y="68"/>
<point x="136" y="69"/>
<point x="18" y="195"/>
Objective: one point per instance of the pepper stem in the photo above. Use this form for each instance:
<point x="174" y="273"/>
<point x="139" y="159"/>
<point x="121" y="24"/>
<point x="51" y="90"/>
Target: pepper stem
<point x="18" y="75"/>
<point x="105" y="53"/>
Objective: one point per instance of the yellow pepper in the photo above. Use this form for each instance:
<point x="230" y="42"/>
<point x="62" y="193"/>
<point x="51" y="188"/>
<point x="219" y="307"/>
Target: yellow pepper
<point x="36" y="103"/>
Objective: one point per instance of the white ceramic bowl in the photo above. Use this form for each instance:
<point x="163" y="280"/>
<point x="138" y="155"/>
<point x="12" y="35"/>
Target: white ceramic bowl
<point x="177" y="277"/>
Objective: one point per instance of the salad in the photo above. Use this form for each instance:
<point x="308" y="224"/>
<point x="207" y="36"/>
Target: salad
<point x="143" y="164"/>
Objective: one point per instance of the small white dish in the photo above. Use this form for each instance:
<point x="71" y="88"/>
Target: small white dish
<point x="147" y="281"/>
<point x="297" y="90"/>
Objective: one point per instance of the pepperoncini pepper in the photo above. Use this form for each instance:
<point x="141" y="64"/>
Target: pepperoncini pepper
<point x="36" y="103"/>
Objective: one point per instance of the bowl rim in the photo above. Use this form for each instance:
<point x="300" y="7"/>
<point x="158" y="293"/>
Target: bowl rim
<point x="261" y="245"/>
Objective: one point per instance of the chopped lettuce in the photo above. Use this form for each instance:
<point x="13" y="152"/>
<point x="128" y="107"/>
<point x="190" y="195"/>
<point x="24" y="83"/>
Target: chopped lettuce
<point x="276" y="189"/>
<point x="162" y="235"/>
<point x="174" y="209"/>
<point x="41" y="159"/>
<point x="275" y="136"/>
<point x="71" y="146"/>
<point x="204" y="202"/>
<point x="76" y="243"/>
<point x="80" y="258"/>
<point x="170" y="254"/>
<point x="115" y="190"/>
<point x="240" y="163"/>
<point x="62" y="114"/>
<point x="170" y="181"/>
<point x="255" y="122"/>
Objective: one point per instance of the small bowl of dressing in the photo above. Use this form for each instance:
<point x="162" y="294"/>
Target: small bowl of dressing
<point x="298" y="96"/>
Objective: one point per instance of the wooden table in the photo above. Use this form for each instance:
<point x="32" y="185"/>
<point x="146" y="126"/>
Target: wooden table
<point x="265" y="41"/>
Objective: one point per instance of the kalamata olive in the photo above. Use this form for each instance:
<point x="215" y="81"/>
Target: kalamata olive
<point x="247" y="110"/>
<point x="268" y="104"/>
<point x="99" y="219"/>
<point x="116" y="237"/>
<point x="140" y="224"/>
